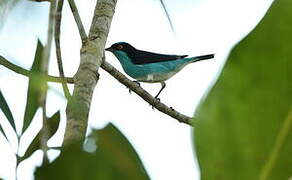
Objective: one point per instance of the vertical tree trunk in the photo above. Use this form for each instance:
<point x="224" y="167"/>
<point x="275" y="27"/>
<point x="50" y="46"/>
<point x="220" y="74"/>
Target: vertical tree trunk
<point x="86" y="78"/>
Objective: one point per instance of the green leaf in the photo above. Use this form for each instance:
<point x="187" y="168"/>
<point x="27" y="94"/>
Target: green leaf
<point x="52" y="129"/>
<point x="6" y="110"/>
<point x="35" y="145"/>
<point x="241" y="122"/>
<point x="36" y="86"/>
<point x="53" y="123"/>
<point x="113" y="159"/>
<point x="3" y="132"/>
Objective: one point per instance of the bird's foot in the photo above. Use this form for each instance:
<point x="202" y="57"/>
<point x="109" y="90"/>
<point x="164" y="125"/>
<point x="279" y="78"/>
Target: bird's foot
<point x="138" y="83"/>
<point x="156" y="101"/>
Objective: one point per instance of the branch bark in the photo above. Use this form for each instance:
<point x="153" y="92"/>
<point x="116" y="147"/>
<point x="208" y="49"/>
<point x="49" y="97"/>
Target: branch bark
<point x="44" y="132"/>
<point x="78" y="21"/>
<point x="28" y="73"/>
<point x="145" y="95"/>
<point x="87" y="75"/>
<point x="58" y="19"/>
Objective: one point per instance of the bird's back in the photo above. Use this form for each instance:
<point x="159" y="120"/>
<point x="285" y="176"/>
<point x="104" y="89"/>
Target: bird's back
<point x="145" y="57"/>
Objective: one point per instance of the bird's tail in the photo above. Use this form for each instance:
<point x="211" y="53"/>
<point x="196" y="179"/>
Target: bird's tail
<point x="204" y="57"/>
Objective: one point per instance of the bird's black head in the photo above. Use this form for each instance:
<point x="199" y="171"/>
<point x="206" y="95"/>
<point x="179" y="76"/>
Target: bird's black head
<point x="121" y="46"/>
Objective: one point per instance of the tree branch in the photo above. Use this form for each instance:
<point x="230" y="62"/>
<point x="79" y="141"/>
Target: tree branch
<point x="44" y="132"/>
<point x="145" y="95"/>
<point x="28" y="73"/>
<point x="86" y="78"/>
<point x="58" y="19"/>
<point x="78" y="21"/>
<point x="167" y="15"/>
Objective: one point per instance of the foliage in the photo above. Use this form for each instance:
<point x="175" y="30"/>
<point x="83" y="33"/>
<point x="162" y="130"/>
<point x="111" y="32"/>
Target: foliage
<point x="113" y="159"/>
<point x="243" y="127"/>
<point x="53" y="123"/>
<point x="35" y="87"/>
<point x="7" y="112"/>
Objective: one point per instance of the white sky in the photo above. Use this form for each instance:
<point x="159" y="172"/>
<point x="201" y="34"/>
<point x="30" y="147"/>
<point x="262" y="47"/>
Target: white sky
<point x="164" y="145"/>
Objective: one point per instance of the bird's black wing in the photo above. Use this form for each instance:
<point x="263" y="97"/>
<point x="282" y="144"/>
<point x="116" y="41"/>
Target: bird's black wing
<point x="144" y="57"/>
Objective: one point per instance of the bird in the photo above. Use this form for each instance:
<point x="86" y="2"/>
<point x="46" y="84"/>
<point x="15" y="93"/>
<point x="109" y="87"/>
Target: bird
<point x="150" y="67"/>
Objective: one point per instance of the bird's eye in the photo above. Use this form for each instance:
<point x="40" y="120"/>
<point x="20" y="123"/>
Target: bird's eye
<point x="119" y="47"/>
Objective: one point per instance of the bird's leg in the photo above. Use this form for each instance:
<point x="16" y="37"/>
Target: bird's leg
<point x="137" y="82"/>
<point x="156" y="97"/>
<point x="162" y="87"/>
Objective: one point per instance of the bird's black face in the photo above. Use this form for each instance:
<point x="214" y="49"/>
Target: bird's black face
<point x="121" y="46"/>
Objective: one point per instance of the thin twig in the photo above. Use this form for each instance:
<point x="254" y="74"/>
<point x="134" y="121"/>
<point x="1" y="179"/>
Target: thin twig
<point x="44" y="133"/>
<point x="28" y="73"/>
<point x="58" y="48"/>
<point x="145" y="95"/>
<point x="168" y="16"/>
<point x="78" y="21"/>
<point x="280" y="140"/>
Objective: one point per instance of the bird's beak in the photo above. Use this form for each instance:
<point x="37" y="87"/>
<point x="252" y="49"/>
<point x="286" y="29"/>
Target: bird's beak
<point x="109" y="49"/>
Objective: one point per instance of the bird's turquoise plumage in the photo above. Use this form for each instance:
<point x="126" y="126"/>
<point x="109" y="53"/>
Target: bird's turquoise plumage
<point x="161" y="69"/>
<point x="151" y="67"/>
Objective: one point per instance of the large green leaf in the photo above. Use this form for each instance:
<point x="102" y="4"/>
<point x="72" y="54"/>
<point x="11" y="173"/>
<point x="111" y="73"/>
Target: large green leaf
<point x="244" y="130"/>
<point x="35" y="87"/>
<point x="113" y="159"/>
<point x="6" y="110"/>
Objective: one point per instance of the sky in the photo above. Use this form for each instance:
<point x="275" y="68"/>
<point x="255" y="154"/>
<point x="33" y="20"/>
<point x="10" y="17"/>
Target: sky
<point x="164" y="145"/>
